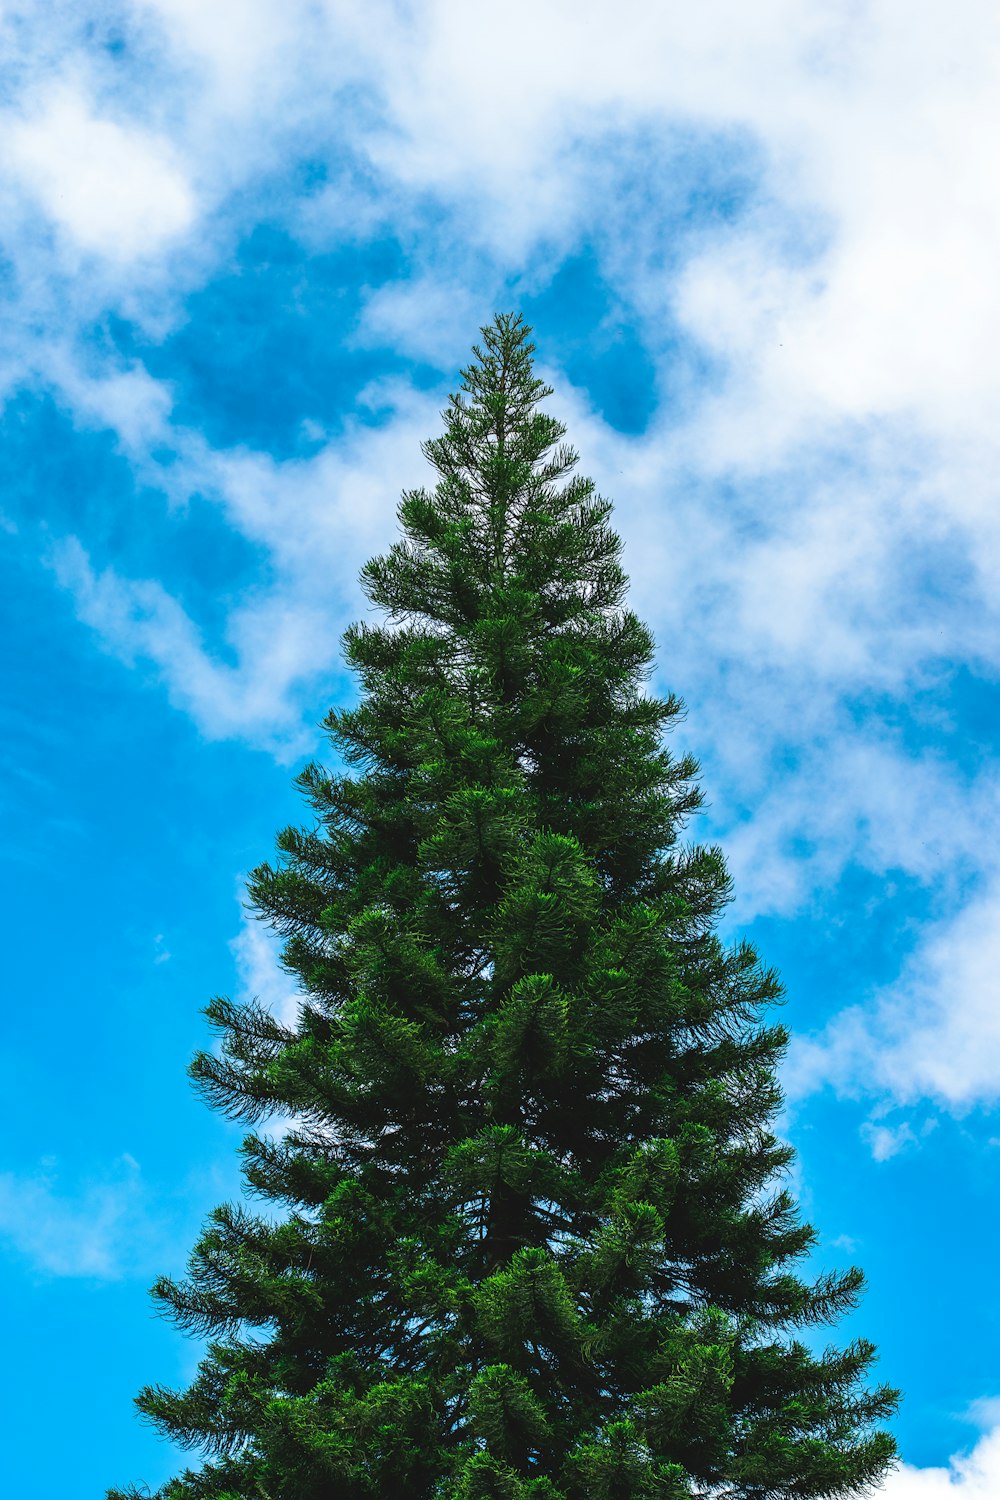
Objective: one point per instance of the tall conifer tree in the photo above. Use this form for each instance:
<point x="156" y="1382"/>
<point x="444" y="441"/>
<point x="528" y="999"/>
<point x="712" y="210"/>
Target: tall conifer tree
<point x="533" y="1240"/>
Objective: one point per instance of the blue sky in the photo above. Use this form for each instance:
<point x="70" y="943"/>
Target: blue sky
<point x="246" y="248"/>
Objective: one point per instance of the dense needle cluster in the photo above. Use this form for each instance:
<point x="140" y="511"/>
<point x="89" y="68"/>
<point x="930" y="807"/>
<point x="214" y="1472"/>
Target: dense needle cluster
<point x="527" y="1236"/>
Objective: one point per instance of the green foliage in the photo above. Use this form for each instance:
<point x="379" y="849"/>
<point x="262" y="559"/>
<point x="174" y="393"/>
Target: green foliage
<point x="531" y="1240"/>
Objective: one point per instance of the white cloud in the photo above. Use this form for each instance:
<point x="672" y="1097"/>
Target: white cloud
<point x="321" y="518"/>
<point x="428" y="318"/>
<point x="138" y="620"/>
<point x="886" y="1141"/>
<point x="97" y="1228"/>
<point x="933" y="1034"/>
<point x="874" y="137"/>
<point x="242" y="46"/>
<point x="582" y="73"/>
<point x="872" y="134"/>
<point x="278" y="643"/>
<point x="850" y="307"/>
<point x="126" y="400"/>
<point x="811" y="604"/>
<point x="847" y="799"/>
<point x="257" y="951"/>
<point x="115" y="189"/>
<point x="106" y="1222"/>
<point x="972" y="1476"/>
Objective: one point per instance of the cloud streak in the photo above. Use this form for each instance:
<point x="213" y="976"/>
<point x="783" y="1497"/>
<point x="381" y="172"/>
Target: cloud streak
<point x="933" y="1034"/>
<point x="96" y="1229"/>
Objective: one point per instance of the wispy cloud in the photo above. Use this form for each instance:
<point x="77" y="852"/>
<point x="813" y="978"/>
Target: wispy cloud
<point x="99" y="1227"/>
<point x="256" y="950"/>
<point x="933" y="1034"/>
<point x="281" y="640"/>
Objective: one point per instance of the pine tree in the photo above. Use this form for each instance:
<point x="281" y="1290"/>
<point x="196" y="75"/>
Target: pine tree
<point x="531" y="1238"/>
